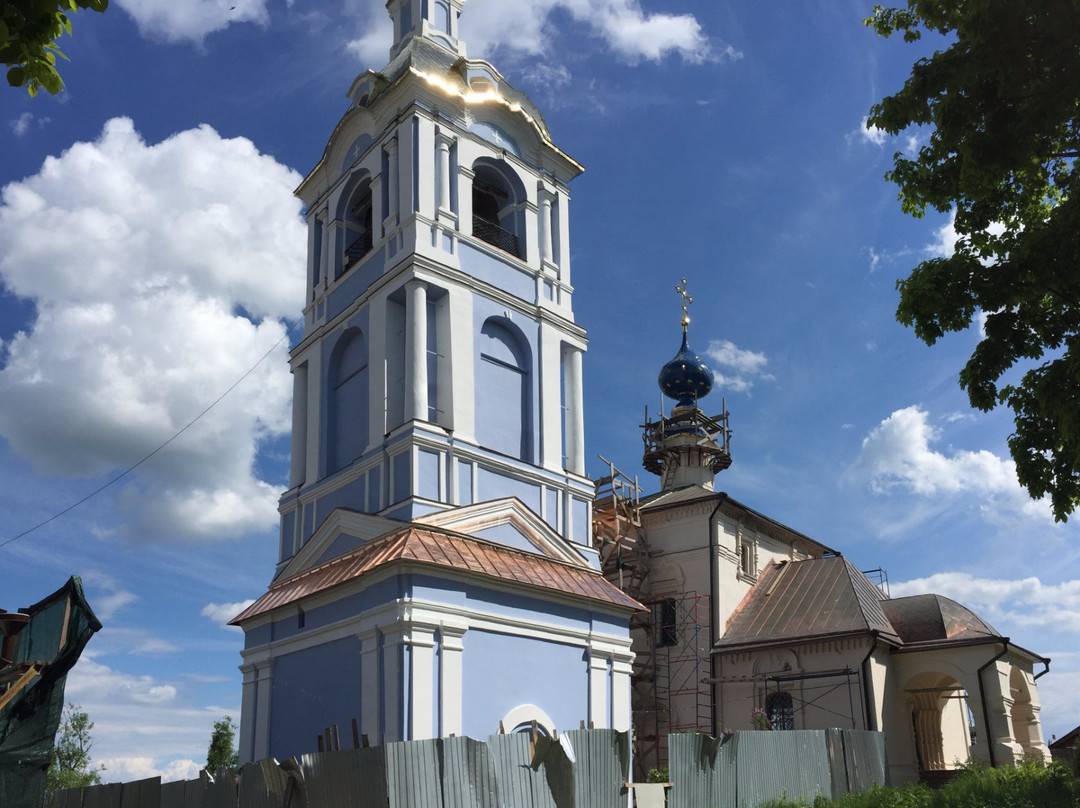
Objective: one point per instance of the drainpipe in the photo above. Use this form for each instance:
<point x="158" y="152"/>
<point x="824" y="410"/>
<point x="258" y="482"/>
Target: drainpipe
<point x="868" y="703"/>
<point x="1045" y="670"/>
<point x="982" y="698"/>
<point x="713" y="609"/>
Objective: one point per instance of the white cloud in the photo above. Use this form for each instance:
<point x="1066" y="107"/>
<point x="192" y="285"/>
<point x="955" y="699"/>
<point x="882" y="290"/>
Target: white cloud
<point x="1026" y="603"/>
<point x="897" y="454"/>
<point x="145" y="713"/>
<point x="525" y="28"/>
<point x="372" y="48"/>
<point x="191" y="20"/>
<point x="130" y="769"/>
<point x="746" y="366"/>
<point x="21" y="125"/>
<point x="870" y="134"/>
<point x="128" y="640"/>
<point x="105" y="592"/>
<point x="944" y="243"/>
<point x="159" y="275"/>
<point x="222" y="613"/>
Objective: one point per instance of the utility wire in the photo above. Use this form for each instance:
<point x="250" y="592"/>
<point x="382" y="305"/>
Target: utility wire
<point x="132" y="468"/>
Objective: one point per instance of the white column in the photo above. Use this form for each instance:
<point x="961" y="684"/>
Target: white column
<point x="451" y="650"/>
<point x="247" y="714"/>
<point x="620" y="691"/>
<point x="546" y="252"/>
<point x="298" y="459"/>
<point x="370" y="687"/>
<point x="392" y="183"/>
<point x="442" y="143"/>
<point x="316" y="451"/>
<point x="575" y="424"/>
<point x="324" y="269"/>
<point x="264" y="684"/>
<point x="391" y="691"/>
<point x="420" y="642"/>
<point x="598" y="689"/>
<point x="461" y="375"/>
<point x="416" y="376"/>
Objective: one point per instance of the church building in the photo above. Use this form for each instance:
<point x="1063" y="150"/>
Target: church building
<point x="753" y="625"/>
<point x="442" y="567"/>
<point x="436" y="572"/>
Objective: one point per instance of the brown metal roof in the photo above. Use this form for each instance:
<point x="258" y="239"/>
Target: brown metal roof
<point x="809" y="598"/>
<point x="930" y="618"/>
<point x="445" y="550"/>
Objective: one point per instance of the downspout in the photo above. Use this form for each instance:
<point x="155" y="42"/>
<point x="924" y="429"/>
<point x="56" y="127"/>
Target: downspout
<point x="714" y="549"/>
<point x="1045" y="670"/>
<point x="982" y="698"/>
<point x="868" y="704"/>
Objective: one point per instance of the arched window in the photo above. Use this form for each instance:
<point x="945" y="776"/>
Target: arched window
<point x="498" y="199"/>
<point x="359" y="235"/>
<point x="503" y="390"/>
<point x="347" y="418"/>
<point x="780" y="711"/>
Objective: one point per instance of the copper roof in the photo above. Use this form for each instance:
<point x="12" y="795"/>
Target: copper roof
<point x="809" y="598"/>
<point x="428" y="546"/>
<point x="933" y="618"/>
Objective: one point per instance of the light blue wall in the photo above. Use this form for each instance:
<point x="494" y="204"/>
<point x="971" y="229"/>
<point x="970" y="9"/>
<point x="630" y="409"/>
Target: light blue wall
<point x="347" y="400"/>
<point x="355" y="282"/>
<point x="501" y="672"/>
<point x="348" y="496"/>
<point x="427" y="474"/>
<point x="313" y="690"/>
<point x="493" y="485"/>
<point x="507" y="534"/>
<point x="401" y="476"/>
<point x="496" y="272"/>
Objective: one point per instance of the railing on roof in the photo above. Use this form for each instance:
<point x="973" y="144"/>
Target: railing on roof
<point x="496" y="236"/>
<point x="713" y="433"/>
<point x="358" y="249"/>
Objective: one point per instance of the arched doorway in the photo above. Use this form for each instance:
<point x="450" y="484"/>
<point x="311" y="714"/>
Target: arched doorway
<point x="941" y="722"/>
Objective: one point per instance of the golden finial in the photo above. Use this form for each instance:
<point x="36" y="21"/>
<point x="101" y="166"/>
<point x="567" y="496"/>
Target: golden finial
<point x="686" y="300"/>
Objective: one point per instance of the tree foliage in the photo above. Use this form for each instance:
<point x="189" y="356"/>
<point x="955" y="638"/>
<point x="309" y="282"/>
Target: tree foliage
<point x="222" y="753"/>
<point x="70" y="763"/>
<point x="28" y="33"/>
<point x="1001" y="103"/>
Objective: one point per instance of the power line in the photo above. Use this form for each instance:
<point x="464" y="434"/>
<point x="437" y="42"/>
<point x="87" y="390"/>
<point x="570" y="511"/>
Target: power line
<point x="132" y="468"/>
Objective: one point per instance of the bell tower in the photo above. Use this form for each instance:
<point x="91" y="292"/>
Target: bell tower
<point x="686" y="447"/>
<point x="440" y="364"/>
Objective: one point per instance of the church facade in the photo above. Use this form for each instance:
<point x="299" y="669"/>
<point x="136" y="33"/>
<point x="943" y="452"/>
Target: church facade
<point x="753" y="625"/>
<point x="436" y="572"/>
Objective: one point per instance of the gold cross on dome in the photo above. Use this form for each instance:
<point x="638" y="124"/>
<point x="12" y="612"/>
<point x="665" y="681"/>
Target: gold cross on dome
<point x="686" y="300"/>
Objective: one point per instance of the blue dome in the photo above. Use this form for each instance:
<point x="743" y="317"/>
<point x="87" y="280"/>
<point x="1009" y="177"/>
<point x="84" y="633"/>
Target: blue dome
<point x="685" y="378"/>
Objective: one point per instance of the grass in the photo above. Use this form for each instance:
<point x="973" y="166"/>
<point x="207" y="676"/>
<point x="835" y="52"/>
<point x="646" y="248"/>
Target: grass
<point x="1030" y="785"/>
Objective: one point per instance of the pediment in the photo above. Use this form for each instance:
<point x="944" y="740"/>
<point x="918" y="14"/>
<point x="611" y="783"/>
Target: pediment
<point x="341" y="532"/>
<point x="509" y="522"/>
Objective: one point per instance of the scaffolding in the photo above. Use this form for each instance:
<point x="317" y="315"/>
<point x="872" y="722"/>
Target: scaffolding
<point x="670" y="691"/>
<point x="671" y="638"/>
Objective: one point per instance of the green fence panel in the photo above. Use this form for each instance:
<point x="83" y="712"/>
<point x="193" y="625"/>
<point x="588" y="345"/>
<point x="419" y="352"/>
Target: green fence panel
<point x="702" y="770"/>
<point x="468" y="774"/>
<point x="352" y="777"/>
<point x="601" y="760"/>
<point x="520" y="783"/>
<point x="775" y="765"/>
<point x="413" y="775"/>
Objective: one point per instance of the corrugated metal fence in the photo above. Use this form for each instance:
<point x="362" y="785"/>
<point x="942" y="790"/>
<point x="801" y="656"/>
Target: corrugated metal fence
<point x="582" y="769"/>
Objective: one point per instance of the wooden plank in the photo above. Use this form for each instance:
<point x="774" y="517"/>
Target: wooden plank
<point x="20" y="683"/>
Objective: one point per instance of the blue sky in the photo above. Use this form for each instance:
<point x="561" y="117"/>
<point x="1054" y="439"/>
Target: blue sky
<point x="152" y="253"/>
